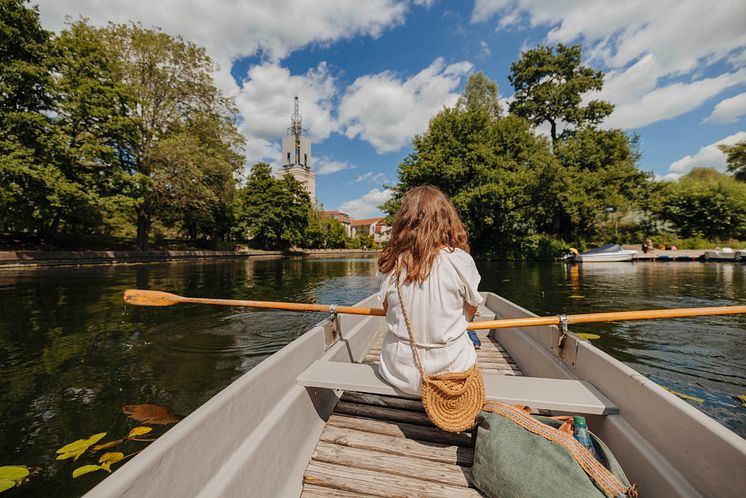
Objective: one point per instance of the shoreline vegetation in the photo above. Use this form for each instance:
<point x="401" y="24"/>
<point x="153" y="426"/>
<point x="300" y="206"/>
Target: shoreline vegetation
<point x="117" y="137"/>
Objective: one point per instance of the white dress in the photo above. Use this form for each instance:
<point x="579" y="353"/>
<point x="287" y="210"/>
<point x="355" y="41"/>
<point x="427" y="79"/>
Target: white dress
<point x="436" y="310"/>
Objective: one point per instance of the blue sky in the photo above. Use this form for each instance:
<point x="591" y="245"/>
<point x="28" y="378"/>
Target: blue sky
<point x="370" y="74"/>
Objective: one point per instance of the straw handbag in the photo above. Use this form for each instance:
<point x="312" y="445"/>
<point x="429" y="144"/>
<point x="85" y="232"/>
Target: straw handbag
<point x="452" y="400"/>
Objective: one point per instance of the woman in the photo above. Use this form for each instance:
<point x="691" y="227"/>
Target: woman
<point x="439" y="279"/>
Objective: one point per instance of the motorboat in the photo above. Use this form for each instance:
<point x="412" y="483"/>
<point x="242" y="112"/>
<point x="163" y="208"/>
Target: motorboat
<point x="725" y="254"/>
<point x="607" y="254"/>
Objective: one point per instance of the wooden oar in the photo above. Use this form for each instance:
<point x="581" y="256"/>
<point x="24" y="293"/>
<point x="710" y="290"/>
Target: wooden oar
<point x="139" y="297"/>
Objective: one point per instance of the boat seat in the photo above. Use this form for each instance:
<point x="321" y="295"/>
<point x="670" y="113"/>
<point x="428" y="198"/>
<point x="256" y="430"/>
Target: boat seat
<point x="564" y="395"/>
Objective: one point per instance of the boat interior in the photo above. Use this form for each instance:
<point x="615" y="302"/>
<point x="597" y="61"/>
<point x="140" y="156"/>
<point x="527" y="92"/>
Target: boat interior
<point x="315" y="419"/>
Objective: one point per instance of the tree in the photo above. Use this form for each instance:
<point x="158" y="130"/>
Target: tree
<point x="29" y="178"/>
<point x="95" y="131"/>
<point x="171" y="82"/>
<point x="736" y="159"/>
<point x="495" y="170"/>
<point x="549" y="85"/>
<point x="335" y="234"/>
<point x="272" y="213"/>
<point x="481" y="93"/>
<point x="600" y="172"/>
<point x="706" y="203"/>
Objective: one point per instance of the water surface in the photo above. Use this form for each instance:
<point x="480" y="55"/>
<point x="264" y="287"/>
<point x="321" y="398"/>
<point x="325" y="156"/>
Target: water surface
<point x="71" y="354"/>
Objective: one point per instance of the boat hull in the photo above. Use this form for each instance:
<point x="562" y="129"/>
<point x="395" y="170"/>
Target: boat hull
<point x="612" y="257"/>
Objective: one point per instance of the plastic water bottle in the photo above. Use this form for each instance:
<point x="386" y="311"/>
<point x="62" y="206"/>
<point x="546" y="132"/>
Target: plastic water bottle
<point x="581" y="434"/>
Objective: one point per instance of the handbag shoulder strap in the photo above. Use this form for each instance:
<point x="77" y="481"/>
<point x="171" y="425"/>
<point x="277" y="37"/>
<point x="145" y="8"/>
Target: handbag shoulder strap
<point x="409" y="324"/>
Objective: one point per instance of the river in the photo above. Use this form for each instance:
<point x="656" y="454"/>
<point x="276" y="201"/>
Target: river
<point x="71" y="353"/>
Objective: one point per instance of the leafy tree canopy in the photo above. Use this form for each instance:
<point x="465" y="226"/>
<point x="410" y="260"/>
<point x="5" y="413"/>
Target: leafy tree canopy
<point x="736" y="159"/>
<point x="549" y="84"/>
<point x="271" y="212"/>
<point x="706" y="203"/>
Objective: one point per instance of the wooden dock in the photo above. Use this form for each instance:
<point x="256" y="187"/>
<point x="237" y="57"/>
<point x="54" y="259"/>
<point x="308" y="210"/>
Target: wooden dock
<point x="678" y="255"/>
<point x="386" y="446"/>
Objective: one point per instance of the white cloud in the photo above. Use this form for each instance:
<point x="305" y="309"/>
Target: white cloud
<point x="643" y="44"/>
<point x="709" y="156"/>
<point x="387" y="111"/>
<point x="371" y="177"/>
<point x="230" y="29"/>
<point x="670" y="101"/>
<point x="484" y="50"/>
<point x="728" y="110"/>
<point x="367" y="205"/>
<point x="327" y="166"/>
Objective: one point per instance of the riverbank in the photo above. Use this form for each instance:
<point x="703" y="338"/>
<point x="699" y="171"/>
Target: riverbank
<point x="16" y="259"/>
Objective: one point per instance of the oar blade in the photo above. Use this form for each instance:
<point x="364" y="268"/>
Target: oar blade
<point x="140" y="297"/>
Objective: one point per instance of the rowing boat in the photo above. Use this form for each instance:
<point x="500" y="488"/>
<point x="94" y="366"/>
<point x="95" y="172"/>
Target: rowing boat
<point x="314" y="419"/>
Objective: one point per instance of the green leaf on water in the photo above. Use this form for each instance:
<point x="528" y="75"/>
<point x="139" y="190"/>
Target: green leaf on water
<point x="77" y="448"/>
<point x="588" y="337"/>
<point x="86" y="469"/>
<point x="13" y="472"/>
<point x="577" y="296"/>
<point x="6" y="485"/>
<point x="684" y="396"/>
<point x="12" y="475"/>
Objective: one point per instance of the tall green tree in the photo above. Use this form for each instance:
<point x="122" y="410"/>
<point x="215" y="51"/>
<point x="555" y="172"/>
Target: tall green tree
<point x="171" y="82"/>
<point x="549" y="84"/>
<point x="96" y="132"/>
<point x="736" y="155"/>
<point x="272" y="213"/>
<point x="706" y="203"/>
<point x="29" y="178"/>
<point x="494" y="169"/>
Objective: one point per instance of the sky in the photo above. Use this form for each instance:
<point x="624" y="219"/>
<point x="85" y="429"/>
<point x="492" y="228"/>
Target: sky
<point x="371" y="73"/>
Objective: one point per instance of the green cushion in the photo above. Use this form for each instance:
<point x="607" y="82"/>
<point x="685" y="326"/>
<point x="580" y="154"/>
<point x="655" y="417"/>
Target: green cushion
<point x="510" y="461"/>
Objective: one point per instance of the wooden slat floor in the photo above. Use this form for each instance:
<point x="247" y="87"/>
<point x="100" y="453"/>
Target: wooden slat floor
<point x="376" y="445"/>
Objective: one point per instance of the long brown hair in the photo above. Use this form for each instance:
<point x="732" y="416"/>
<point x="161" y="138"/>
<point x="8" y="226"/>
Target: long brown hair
<point x="426" y="223"/>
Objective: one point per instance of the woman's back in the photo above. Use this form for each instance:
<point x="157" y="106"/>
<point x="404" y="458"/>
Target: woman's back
<point x="438" y="317"/>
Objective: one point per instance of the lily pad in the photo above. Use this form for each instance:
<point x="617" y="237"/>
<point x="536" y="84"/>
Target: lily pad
<point x="85" y="469"/>
<point x="107" y="459"/>
<point x="150" y="414"/>
<point x="684" y="396"/>
<point x="11" y="476"/>
<point x="108" y="444"/>
<point x="139" y="431"/>
<point x="77" y="448"/>
<point x="588" y="337"/>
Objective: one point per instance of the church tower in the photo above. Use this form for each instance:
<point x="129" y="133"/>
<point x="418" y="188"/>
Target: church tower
<point x="296" y="155"/>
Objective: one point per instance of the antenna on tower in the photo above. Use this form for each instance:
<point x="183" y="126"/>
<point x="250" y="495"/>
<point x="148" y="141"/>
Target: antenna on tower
<point x="296" y="121"/>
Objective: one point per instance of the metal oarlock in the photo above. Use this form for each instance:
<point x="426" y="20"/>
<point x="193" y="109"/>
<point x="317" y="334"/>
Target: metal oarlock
<point x="563" y="323"/>
<point x="331" y="328"/>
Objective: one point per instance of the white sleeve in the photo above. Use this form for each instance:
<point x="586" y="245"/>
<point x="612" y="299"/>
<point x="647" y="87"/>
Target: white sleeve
<point x="467" y="272"/>
<point x="384" y="278"/>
